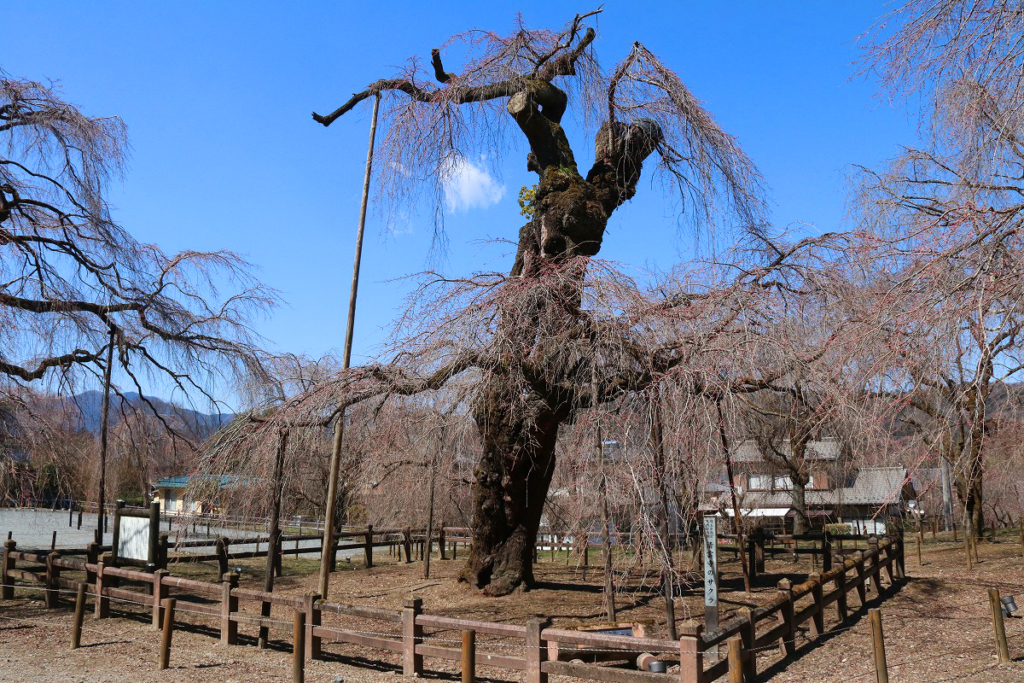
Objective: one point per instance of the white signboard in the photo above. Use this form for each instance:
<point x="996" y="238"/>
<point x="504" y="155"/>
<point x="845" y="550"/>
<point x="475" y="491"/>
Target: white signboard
<point x="711" y="562"/>
<point x="133" y="542"/>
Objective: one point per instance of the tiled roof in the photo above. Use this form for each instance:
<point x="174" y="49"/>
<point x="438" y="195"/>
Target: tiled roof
<point x="824" y="449"/>
<point x="869" y="486"/>
<point x="183" y="480"/>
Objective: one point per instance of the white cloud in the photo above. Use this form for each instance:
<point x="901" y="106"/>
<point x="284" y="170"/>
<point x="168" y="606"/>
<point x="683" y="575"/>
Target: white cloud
<point x="470" y="186"/>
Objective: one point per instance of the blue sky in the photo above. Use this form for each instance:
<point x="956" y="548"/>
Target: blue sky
<point x="217" y="98"/>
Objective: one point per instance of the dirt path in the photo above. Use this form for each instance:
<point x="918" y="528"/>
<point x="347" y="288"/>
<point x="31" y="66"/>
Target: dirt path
<point x="937" y="628"/>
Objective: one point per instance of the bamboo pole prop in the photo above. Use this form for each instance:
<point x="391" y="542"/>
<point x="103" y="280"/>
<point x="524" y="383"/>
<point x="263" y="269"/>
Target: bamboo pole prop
<point x="430" y="517"/>
<point x="168" y="631"/>
<point x="76" y="629"/>
<point x="737" y="516"/>
<point x="104" y="425"/>
<point x="469" y="656"/>
<point x="657" y="437"/>
<point x="609" y="588"/>
<point x="339" y="425"/>
<point x="274" y="542"/>
<point x="998" y="626"/>
<point x="878" y="646"/>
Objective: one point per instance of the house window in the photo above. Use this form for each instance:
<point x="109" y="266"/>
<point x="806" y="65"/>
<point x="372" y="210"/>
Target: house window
<point x="171" y="500"/>
<point x="767" y="482"/>
<point x="759" y="482"/>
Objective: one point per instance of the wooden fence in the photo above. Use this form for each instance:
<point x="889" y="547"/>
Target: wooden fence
<point x="535" y="648"/>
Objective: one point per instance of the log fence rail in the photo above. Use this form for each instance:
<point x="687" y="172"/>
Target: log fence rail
<point x="535" y="648"/>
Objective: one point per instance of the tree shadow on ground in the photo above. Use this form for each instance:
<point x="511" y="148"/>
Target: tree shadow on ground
<point x="856" y="615"/>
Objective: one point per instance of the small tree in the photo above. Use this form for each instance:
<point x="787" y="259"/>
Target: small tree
<point x="78" y="293"/>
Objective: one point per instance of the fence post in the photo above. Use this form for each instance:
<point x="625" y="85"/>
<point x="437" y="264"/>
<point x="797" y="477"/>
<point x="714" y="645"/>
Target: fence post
<point x="222" y="555"/>
<point x="874" y="573"/>
<point x="369" y="546"/>
<point x="691" y="653"/>
<point x="102" y="601"/>
<point x="736" y="660"/>
<point x="749" y="635"/>
<point x="412" y="635"/>
<point x="535" y="652"/>
<point x="298" y="649"/>
<point x="228" y="604"/>
<point x="115" y="538"/>
<point x="6" y="566"/>
<point x="165" y="543"/>
<point x="841" y="608"/>
<point x="52" y="581"/>
<point x="160" y="590"/>
<point x="92" y="556"/>
<point x="468" y="656"/>
<point x="787" y="643"/>
<point x="165" y="636"/>
<point x="878" y="646"/>
<point x="312" y="621"/>
<point x="818" y="616"/>
<point x="76" y="628"/>
<point x="153" y="548"/>
<point x="862" y="586"/>
<point x="997" y="624"/>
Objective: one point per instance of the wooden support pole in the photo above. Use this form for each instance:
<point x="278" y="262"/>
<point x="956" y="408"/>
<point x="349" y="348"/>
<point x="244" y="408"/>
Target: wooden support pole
<point x="468" y="656"/>
<point x="368" y="548"/>
<point x="76" y="628"/>
<point x="997" y="624"/>
<point x="735" y="660"/>
<point x="920" y="562"/>
<point x="168" y="631"/>
<point x="299" y="649"/>
<point x="878" y="646"/>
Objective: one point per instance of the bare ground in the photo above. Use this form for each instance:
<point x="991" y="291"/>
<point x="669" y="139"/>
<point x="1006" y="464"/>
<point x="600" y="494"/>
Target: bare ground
<point x="937" y="624"/>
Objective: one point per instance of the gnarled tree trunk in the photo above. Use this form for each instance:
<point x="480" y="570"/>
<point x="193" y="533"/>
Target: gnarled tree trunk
<point x="519" y="422"/>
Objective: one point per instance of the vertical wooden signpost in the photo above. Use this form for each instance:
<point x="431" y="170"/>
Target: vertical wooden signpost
<point x="711" y="576"/>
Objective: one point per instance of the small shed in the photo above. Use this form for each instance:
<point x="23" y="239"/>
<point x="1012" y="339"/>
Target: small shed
<point x="170" y="493"/>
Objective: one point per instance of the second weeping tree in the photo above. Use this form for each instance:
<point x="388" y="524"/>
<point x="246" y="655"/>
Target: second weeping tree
<point x="543" y="353"/>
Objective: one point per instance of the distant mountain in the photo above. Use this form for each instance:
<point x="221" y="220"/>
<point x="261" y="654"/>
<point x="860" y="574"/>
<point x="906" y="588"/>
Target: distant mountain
<point x="85" y="411"/>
